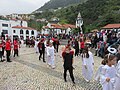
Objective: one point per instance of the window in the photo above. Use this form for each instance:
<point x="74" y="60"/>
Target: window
<point x="5" y="25"/>
<point x="21" y="31"/>
<point x="32" y="32"/>
<point x="27" y="32"/>
<point x="14" y="31"/>
<point x="5" y="31"/>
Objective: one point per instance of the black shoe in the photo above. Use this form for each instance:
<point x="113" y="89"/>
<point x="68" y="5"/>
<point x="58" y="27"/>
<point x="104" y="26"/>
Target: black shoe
<point x="44" y="61"/>
<point x="2" y="60"/>
<point x="9" y="61"/>
<point x="65" y="80"/>
<point x="73" y="83"/>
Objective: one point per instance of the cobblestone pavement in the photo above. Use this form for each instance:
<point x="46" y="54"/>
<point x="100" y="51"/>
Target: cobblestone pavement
<point x="26" y="72"/>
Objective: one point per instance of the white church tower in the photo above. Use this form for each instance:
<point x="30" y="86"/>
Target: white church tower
<point x="79" y="22"/>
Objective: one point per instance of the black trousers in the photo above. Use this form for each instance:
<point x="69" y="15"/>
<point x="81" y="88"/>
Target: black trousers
<point x="76" y="52"/>
<point x="1" y="55"/>
<point x="70" y="72"/>
<point x="57" y="47"/>
<point x="3" y="49"/>
<point x="42" y="53"/>
<point x="8" y="55"/>
<point x="15" y="52"/>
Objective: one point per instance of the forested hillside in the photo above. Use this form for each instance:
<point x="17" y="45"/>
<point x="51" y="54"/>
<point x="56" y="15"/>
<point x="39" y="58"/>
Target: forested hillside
<point x="54" y="4"/>
<point x="95" y="13"/>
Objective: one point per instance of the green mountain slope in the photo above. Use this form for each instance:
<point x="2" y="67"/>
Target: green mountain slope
<point x="54" y="4"/>
<point x="95" y="13"/>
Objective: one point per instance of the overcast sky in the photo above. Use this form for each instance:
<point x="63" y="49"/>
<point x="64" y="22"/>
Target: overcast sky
<point x="20" y="6"/>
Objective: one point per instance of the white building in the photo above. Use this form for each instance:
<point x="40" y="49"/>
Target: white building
<point x="16" y="28"/>
<point x="57" y="29"/>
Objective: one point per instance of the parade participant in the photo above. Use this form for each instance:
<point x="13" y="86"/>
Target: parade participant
<point x="76" y="47"/>
<point x="82" y="45"/>
<point x="68" y="63"/>
<point x="8" y="49"/>
<point x="98" y="73"/>
<point x="41" y="47"/>
<point x="108" y="73"/>
<point x="36" y="46"/>
<point x="118" y="54"/>
<point x="117" y="79"/>
<point x="87" y="64"/>
<point x="1" y="49"/>
<point x="16" y="46"/>
<point x="50" y="55"/>
<point x="57" y="44"/>
<point x="54" y="43"/>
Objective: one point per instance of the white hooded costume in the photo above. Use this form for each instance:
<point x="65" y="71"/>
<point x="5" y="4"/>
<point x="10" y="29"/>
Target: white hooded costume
<point x="88" y="62"/>
<point x="50" y="56"/>
<point x="108" y="72"/>
<point x="117" y="79"/>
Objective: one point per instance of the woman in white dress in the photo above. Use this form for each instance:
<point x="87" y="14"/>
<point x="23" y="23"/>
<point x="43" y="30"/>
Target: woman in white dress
<point x="87" y="64"/>
<point x="107" y="78"/>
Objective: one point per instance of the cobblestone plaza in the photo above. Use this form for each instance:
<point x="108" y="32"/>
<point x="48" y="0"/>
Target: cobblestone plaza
<point x="26" y="72"/>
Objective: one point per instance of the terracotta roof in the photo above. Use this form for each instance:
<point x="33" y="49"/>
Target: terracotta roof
<point x="57" y="26"/>
<point x="19" y="27"/>
<point x="111" y="26"/>
<point x="68" y="26"/>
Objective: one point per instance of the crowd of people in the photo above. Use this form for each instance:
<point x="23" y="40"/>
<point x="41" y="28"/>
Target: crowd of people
<point x="10" y="47"/>
<point x="108" y="73"/>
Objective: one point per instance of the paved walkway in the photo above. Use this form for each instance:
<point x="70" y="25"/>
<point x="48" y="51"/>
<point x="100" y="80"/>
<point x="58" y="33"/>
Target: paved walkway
<point x="26" y="72"/>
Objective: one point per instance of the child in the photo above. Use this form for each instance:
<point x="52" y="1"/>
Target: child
<point x="50" y="55"/>
<point x="87" y="64"/>
<point x="68" y="62"/>
<point x="117" y="82"/>
<point x="98" y="73"/>
<point x="108" y="72"/>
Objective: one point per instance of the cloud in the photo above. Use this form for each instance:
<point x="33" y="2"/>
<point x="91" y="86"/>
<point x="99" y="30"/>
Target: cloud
<point x="20" y="6"/>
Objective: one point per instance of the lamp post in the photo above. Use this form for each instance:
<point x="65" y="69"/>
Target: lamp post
<point x="80" y="23"/>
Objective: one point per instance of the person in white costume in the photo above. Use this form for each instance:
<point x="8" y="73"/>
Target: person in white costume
<point x="107" y="78"/>
<point x="87" y="64"/>
<point x="36" y="46"/>
<point x="50" y="55"/>
<point x="98" y="73"/>
<point x="117" y="80"/>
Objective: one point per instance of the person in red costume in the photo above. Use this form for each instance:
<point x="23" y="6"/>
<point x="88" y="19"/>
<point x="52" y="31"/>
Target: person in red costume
<point x="8" y="49"/>
<point x="67" y="55"/>
<point x="16" y="46"/>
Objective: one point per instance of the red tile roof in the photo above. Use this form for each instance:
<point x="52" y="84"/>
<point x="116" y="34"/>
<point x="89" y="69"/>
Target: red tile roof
<point x="111" y="26"/>
<point x="19" y="27"/>
<point x="68" y="26"/>
<point x="57" y="26"/>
